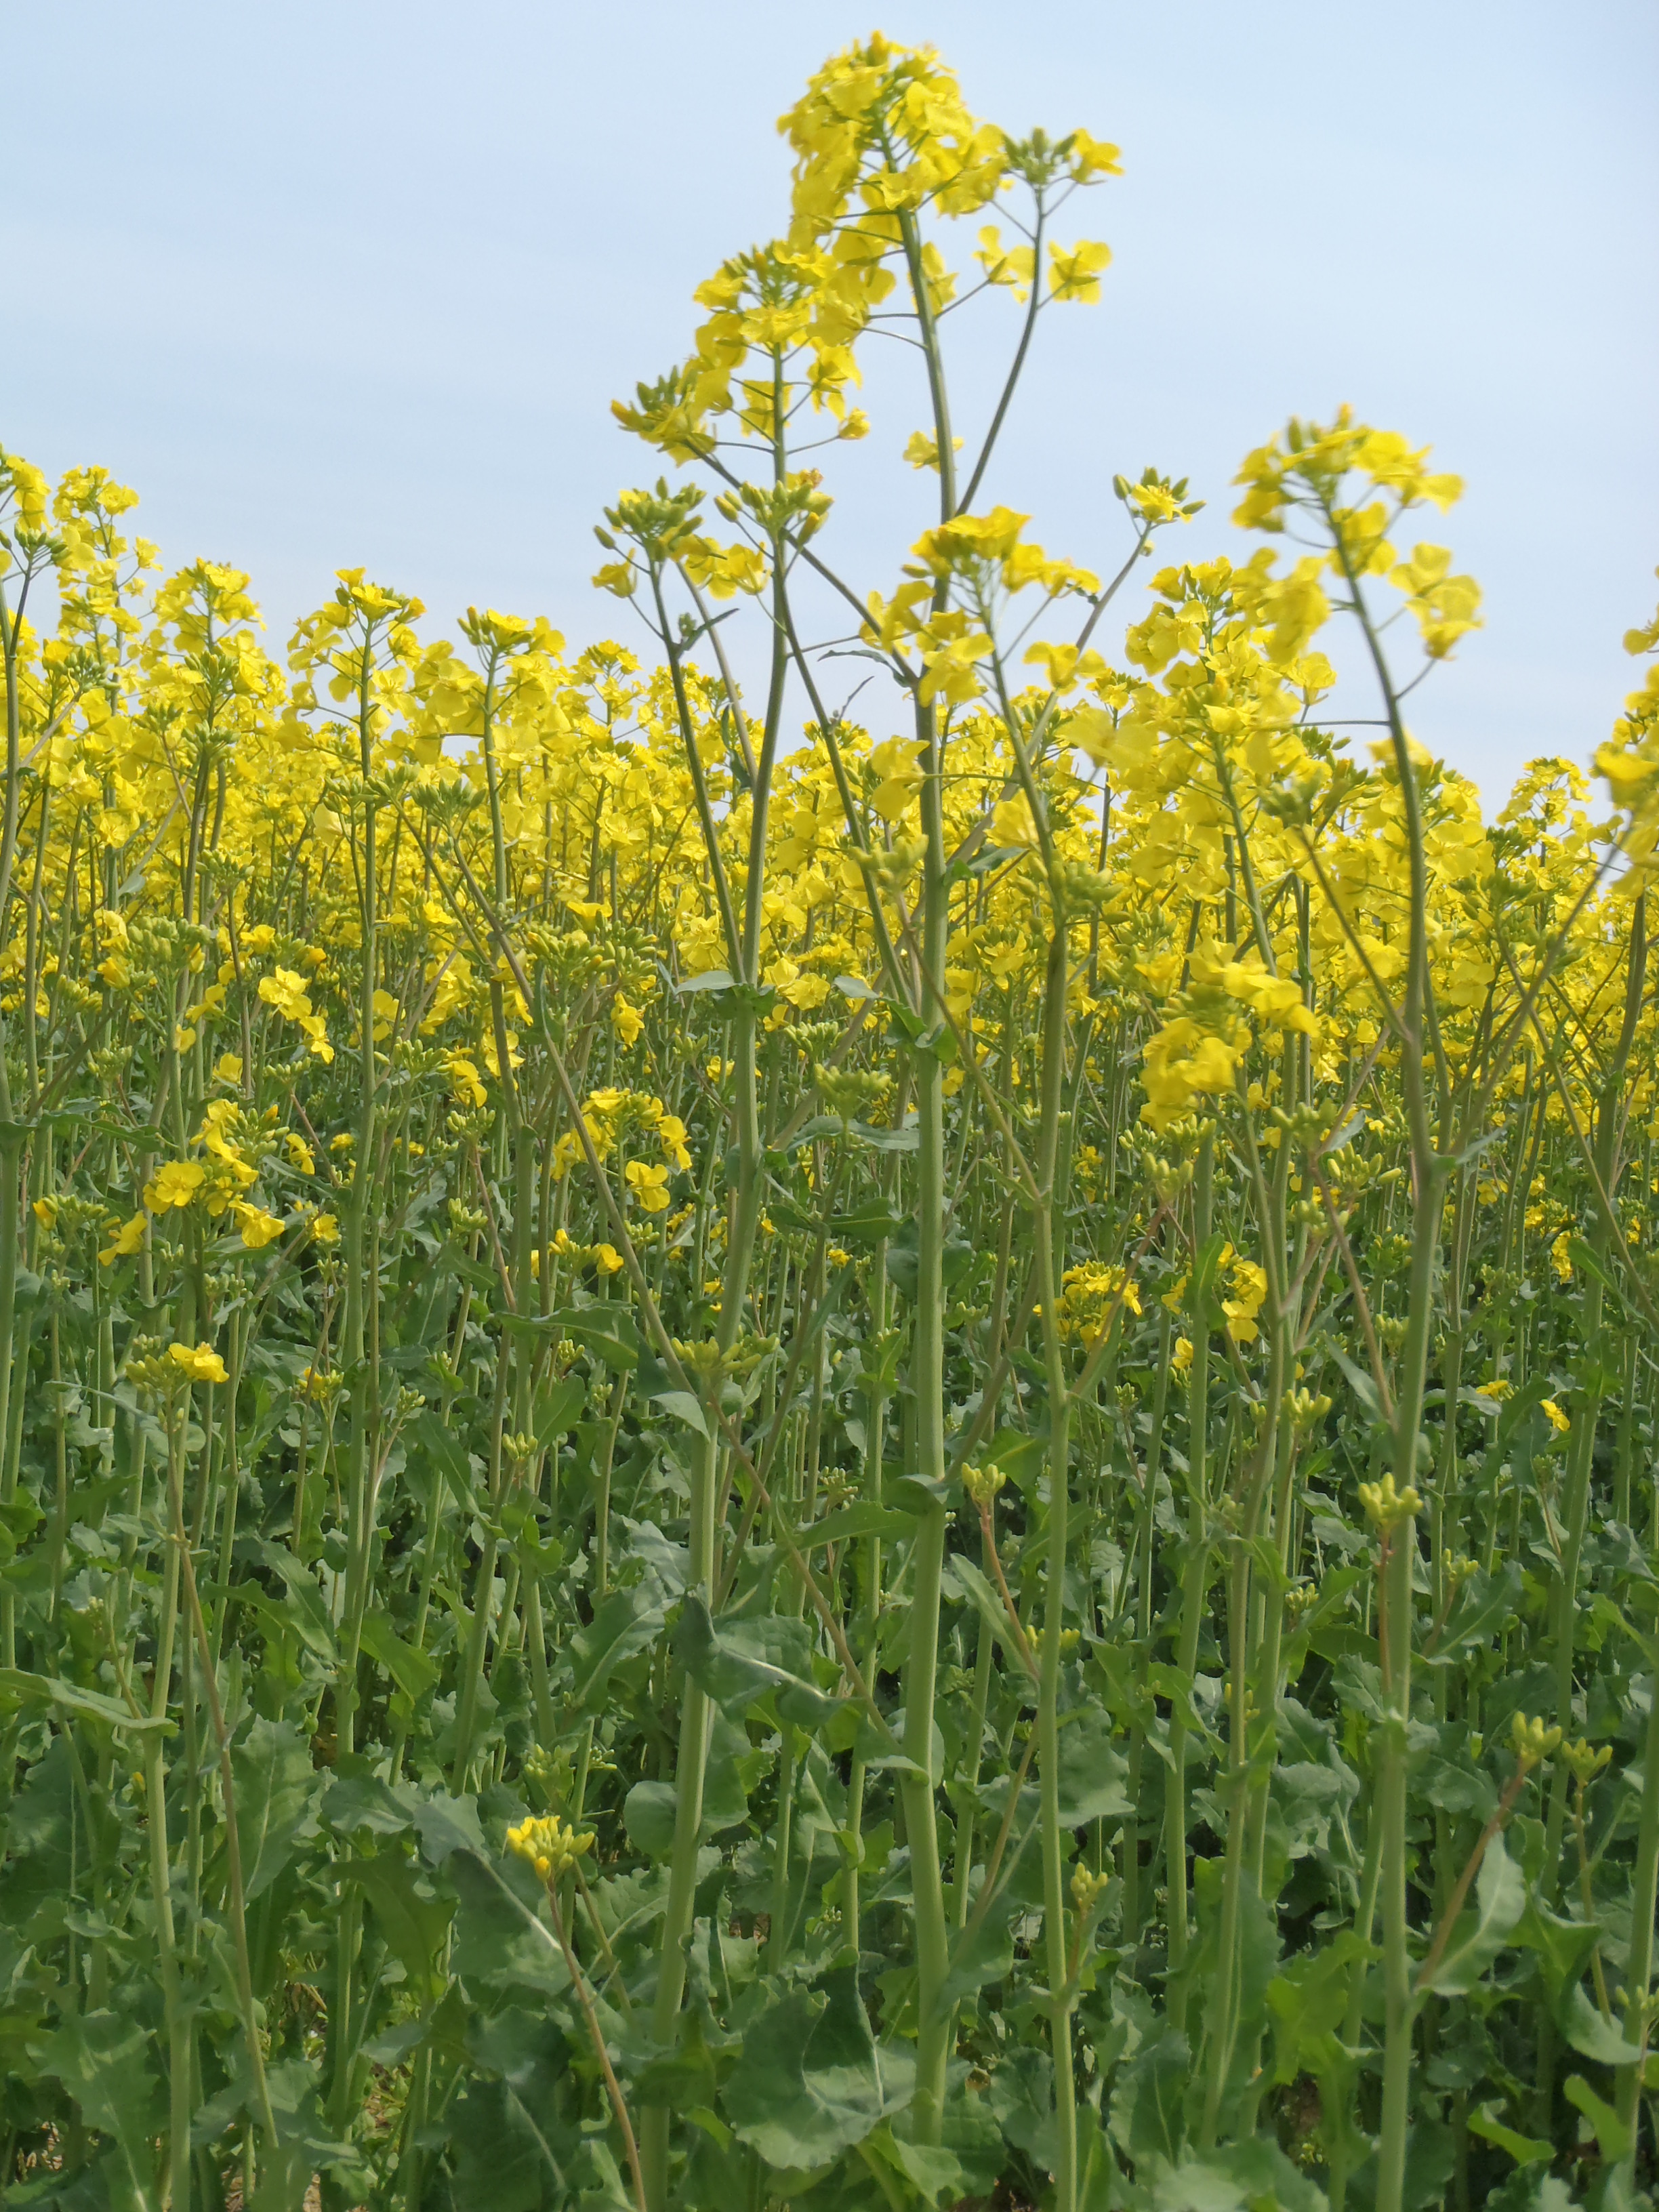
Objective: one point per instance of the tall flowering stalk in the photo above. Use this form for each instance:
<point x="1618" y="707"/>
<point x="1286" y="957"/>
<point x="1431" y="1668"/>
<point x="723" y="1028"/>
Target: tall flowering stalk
<point x="844" y="1406"/>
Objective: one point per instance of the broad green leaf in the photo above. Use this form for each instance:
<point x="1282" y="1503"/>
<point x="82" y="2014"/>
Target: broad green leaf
<point x="411" y="1912"/>
<point x="605" y="1328"/>
<point x="102" y="2059"/>
<point x="306" y="1611"/>
<point x="411" y="1670"/>
<point x="868" y="1519"/>
<point x="500" y="1939"/>
<point x="358" y="1796"/>
<point x="978" y="1956"/>
<point x="28" y="1689"/>
<point x="1147" y="2118"/>
<point x="683" y="1407"/>
<point x="961" y="1575"/>
<point x="625" y="1622"/>
<point x="1485" y="1606"/>
<point x="277" y="1791"/>
<point x="447" y="1825"/>
<point x="648" y="1817"/>
<point x="448" y="1455"/>
<point x="1563" y="1947"/>
<point x="558" y="1408"/>
<point x="811" y="2081"/>
<point x="934" y="2174"/>
<point x="737" y="1661"/>
<point x="1021" y="2094"/>
<point x="1481" y="1934"/>
<point x="508" y="2150"/>
<point x="1591" y="2036"/>
<point x="1235" y="2176"/>
<point x="1092" y="1771"/>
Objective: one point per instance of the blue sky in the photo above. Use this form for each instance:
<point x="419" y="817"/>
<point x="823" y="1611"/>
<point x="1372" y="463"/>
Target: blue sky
<point x="353" y="282"/>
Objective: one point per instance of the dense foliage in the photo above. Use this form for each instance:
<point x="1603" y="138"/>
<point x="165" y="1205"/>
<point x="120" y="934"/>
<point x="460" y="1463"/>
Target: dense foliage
<point x="749" y="1458"/>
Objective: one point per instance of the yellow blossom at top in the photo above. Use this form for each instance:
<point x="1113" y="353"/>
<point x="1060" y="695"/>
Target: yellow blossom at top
<point x="198" y="1361"/>
<point x="548" y="1844"/>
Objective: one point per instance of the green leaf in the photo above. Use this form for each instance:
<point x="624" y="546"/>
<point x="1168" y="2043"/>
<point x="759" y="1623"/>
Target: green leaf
<point x="648" y="1816"/>
<point x="878" y="1139"/>
<point x="1591" y="2036"/>
<point x="511" y="2152"/>
<point x="1481" y="1934"/>
<point x="985" y="1955"/>
<point x="1525" y="2150"/>
<point x="501" y="1941"/>
<point x="1563" y="1947"/>
<point x="868" y="1519"/>
<point x="1584" y="1256"/>
<point x="448" y="1455"/>
<point x="810" y="2083"/>
<point x="625" y="1621"/>
<point x="448" y="1825"/>
<point x="1021" y="2095"/>
<point x="683" y="1407"/>
<point x="411" y="1914"/>
<point x="867" y="1224"/>
<point x="1240" y="2175"/>
<point x="604" y="1328"/>
<point x="102" y="2060"/>
<point x="277" y="1793"/>
<point x="1147" y="2101"/>
<point x="1092" y="1771"/>
<point x="1485" y="1607"/>
<point x="69" y="1698"/>
<point x="712" y="979"/>
<point x="411" y="1670"/>
<point x="558" y="1408"/>
<point x="737" y="1661"/>
<point x="932" y="2172"/>
<point x="307" y="1611"/>
<point x="961" y="1577"/>
<point x="1611" y="2132"/>
<point x="734" y="1767"/>
<point x="917" y="1495"/>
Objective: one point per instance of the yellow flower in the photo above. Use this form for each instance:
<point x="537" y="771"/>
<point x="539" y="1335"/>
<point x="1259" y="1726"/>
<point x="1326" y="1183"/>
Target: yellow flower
<point x="199" y="1361"/>
<point x="1249" y="1286"/>
<point x="259" y="1228"/>
<point x="228" y="1067"/>
<point x="125" y="1237"/>
<point x="626" y="1020"/>
<point x="1552" y="1413"/>
<point x="649" y="1184"/>
<point x="325" y="1228"/>
<point x="548" y="1844"/>
<point x="1074" y="272"/>
<point x="286" y="991"/>
<point x="671" y="1135"/>
<point x="298" y="1153"/>
<point x="174" y="1185"/>
<point x="464" y="1079"/>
